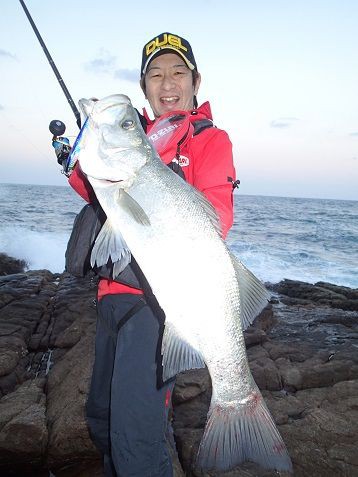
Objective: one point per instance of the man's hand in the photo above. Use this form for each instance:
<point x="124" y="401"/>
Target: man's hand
<point x="62" y="148"/>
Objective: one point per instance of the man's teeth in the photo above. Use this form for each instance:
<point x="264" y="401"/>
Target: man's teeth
<point x="170" y="99"/>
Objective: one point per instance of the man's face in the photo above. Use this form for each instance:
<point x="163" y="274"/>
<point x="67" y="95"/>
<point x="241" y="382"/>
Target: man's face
<point x="169" y="84"/>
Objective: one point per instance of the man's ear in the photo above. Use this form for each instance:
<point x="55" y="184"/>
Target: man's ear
<point x="197" y="83"/>
<point x="142" y="85"/>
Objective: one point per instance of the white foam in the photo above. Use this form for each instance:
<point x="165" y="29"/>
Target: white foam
<point x="40" y="250"/>
<point x="274" y="267"/>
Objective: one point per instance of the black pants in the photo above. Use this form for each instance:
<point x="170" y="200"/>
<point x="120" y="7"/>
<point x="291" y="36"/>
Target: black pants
<point x="126" y="410"/>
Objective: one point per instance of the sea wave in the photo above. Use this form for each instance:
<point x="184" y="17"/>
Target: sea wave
<point x="301" y="239"/>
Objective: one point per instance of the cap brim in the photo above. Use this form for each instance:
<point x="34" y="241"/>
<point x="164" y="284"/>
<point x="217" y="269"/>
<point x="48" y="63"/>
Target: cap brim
<point x="175" y="50"/>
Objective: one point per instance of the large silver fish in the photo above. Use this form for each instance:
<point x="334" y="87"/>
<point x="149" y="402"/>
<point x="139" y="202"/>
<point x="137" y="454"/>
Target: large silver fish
<point x="208" y="296"/>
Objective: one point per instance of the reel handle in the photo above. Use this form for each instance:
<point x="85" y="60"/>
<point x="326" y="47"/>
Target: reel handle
<point x="57" y="127"/>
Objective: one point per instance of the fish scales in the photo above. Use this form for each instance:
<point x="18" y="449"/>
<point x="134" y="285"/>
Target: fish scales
<point x="172" y="231"/>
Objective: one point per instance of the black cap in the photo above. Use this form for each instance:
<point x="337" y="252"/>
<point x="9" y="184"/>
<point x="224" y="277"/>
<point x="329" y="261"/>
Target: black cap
<point x="167" y="41"/>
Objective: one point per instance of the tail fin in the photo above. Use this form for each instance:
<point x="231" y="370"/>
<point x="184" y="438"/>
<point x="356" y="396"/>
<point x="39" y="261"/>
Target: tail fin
<point x="238" y="433"/>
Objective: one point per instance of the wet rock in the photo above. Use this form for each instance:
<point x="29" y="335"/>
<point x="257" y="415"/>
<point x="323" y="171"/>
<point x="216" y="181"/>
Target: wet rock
<point x="254" y="336"/>
<point x="190" y="385"/>
<point x="23" y="428"/>
<point x="302" y="352"/>
<point x="67" y="389"/>
<point x="266" y="374"/>
<point x="324" y="430"/>
<point x="10" y="265"/>
<point x="321" y="293"/>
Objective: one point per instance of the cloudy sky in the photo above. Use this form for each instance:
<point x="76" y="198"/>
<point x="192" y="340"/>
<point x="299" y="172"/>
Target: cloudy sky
<point x="281" y="77"/>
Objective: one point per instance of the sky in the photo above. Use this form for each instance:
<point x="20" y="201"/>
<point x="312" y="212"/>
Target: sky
<point x="281" y="78"/>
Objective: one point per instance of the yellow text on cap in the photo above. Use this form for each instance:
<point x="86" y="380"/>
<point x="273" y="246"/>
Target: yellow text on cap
<point x="171" y="40"/>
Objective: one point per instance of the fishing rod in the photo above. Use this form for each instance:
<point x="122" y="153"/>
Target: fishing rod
<point x="53" y="66"/>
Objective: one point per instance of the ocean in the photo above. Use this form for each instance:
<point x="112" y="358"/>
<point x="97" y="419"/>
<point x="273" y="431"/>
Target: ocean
<point x="275" y="237"/>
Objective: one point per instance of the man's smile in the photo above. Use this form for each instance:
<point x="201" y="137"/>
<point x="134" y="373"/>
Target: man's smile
<point x="169" y="99"/>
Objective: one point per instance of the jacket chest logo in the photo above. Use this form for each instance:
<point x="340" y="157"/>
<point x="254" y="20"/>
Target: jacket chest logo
<point x="183" y="161"/>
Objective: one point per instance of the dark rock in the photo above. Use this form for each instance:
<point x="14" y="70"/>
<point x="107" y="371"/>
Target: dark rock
<point x="190" y="385"/>
<point x="67" y="388"/>
<point x="302" y="351"/>
<point x="10" y="265"/>
<point x="23" y="429"/>
<point x="8" y="361"/>
<point x="266" y="319"/>
<point x="254" y="336"/>
<point x="324" y="430"/>
<point x="321" y="293"/>
<point x="266" y="374"/>
<point x="349" y="293"/>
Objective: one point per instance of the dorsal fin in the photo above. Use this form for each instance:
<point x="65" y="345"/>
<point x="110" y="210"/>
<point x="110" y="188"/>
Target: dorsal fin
<point x="253" y="294"/>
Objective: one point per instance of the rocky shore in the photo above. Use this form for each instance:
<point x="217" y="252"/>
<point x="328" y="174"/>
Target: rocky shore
<point x="303" y="353"/>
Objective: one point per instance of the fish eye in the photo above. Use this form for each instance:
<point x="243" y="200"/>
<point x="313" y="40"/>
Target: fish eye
<point x="128" y="124"/>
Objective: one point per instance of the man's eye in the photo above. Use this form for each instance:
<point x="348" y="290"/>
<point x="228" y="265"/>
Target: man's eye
<point x="181" y="73"/>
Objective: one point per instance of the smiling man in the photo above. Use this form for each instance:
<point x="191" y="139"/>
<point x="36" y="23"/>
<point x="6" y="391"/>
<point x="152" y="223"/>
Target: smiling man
<point x="170" y="79"/>
<point x="169" y="84"/>
<point x="128" y="405"/>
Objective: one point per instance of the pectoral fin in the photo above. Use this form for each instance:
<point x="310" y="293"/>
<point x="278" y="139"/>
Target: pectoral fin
<point x="132" y="207"/>
<point x="178" y="354"/>
<point x="110" y="245"/>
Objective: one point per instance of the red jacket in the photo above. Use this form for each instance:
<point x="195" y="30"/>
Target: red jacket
<point x="207" y="162"/>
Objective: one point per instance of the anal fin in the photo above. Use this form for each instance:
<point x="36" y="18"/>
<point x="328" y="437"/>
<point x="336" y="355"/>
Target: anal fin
<point x="178" y="354"/>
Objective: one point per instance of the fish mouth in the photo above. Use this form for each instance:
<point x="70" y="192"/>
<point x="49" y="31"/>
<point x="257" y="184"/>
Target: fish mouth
<point x="111" y="148"/>
<point x="103" y="182"/>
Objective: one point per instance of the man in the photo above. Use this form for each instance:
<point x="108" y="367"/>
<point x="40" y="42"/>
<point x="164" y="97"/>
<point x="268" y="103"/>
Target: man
<point x="127" y="406"/>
